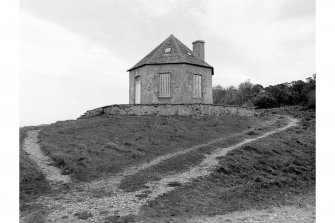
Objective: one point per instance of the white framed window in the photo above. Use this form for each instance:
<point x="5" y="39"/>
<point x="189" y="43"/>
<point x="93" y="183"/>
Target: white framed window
<point x="164" y="85"/>
<point x="197" y="86"/>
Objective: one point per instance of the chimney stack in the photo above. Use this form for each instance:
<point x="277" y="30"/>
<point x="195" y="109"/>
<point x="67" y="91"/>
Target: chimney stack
<point x="199" y="48"/>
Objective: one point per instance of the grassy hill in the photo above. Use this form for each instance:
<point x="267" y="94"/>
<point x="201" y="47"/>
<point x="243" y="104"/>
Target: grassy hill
<point x="95" y="148"/>
<point x="276" y="170"/>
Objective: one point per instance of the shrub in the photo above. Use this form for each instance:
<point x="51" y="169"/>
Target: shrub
<point x="311" y="100"/>
<point x="264" y="101"/>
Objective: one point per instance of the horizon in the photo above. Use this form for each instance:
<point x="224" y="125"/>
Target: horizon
<point x="213" y="86"/>
<point x="73" y="59"/>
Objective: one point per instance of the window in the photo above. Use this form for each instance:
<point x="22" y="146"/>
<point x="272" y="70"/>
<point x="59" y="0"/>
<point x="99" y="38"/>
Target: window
<point x="197" y="86"/>
<point x="167" y="50"/>
<point x="164" y="85"/>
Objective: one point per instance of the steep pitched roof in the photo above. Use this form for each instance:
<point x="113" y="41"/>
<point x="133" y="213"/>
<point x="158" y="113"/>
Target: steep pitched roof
<point x="179" y="54"/>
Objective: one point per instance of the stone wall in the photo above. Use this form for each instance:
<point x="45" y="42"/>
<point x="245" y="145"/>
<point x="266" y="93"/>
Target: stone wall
<point x="194" y="110"/>
<point x="181" y="85"/>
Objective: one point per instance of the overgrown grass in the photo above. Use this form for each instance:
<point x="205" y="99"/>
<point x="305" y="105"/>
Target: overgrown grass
<point x="93" y="148"/>
<point x="269" y="172"/>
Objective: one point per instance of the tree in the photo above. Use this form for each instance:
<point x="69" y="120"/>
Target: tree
<point x="256" y="89"/>
<point x="231" y="97"/>
<point x="245" y="93"/>
<point x="281" y="92"/>
<point x="218" y="94"/>
<point x="297" y="92"/>
<point x="248" y="94"/>
<point x="264" y="100"/>
<point x="309" y="91"/>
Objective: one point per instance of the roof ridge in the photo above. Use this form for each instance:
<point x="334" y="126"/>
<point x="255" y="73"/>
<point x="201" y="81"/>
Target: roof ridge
<point x="178" y="49"/>
<point x="179" y="53"/>
<point x="159" y="47"/>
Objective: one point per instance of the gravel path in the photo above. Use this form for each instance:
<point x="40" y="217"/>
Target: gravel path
<point x="79" y="205"/>
<point x="51" y="173"/>
<point x="113" y="182"/>
<point x="288" y="214"/>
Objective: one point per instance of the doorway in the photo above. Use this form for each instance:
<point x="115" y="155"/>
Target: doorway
<point x="137" y="90"/>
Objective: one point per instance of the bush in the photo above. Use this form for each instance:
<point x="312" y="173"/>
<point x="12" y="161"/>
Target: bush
<point x="285" y="94"/>
<point x="264" y="101"/>
<point x="311" y="100"/>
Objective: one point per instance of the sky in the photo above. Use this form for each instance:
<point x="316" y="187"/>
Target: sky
<point x="74" y="54"/>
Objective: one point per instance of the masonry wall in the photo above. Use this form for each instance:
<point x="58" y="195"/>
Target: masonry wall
<point x="194" y="110"/>
<point x="181" y="86"/>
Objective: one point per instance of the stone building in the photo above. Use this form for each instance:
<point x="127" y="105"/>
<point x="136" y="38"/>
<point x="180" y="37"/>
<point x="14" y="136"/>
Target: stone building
<point x="172" y="74"/>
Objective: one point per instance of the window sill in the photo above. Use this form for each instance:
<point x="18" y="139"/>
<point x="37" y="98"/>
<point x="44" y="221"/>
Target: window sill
<point x="164" y="96"/>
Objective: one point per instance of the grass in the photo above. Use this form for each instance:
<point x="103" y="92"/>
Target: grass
<point x="32" y="181"/>
<point x="277" y="170"/>
<point x="273" y="171"/>
<point x="183" y="162"/>
<point x="157" y="172"/>
<point x="93" y="148"/>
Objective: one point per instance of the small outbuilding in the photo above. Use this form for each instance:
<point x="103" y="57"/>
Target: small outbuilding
<point x="172" y="74"/>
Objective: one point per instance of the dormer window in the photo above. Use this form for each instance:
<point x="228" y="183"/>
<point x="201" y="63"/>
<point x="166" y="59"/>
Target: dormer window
<point x="167" y="50"/>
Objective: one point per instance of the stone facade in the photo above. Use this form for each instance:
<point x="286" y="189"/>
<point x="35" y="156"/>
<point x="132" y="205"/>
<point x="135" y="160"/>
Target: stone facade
<point x="172" y="74"/>
<point x="194" y="110"/>
<point x="181" y="84"/>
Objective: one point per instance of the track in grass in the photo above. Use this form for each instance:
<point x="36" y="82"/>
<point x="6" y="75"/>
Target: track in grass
<point x="32" y="148"/>
<point x="81" y="205"/>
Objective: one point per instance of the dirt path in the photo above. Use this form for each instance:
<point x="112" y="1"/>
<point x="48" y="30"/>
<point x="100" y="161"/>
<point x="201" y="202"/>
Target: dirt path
<point x="84" y="204"/>
<point x="288" y="214"/>
<point x="32" y="148"/>
<point x="113" y="182"/>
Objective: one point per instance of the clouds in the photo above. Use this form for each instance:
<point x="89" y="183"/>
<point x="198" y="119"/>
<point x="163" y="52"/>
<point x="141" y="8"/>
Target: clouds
<point x="272" y="41"/>
<point x="85" y="46"/>
<point x="155" y="9"/>
<point x="63" y="74"/>
<point x="296" y="9"/>
<point x="121" y="25"/>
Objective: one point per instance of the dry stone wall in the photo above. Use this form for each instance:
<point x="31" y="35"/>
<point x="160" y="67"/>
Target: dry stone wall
<point x="194" y="110"/>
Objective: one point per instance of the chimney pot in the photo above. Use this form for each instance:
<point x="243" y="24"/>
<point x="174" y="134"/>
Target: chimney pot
<point x="199" y="49"/>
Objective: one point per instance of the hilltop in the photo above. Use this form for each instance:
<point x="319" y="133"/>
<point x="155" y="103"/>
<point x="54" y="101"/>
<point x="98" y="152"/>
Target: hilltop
<point x="107" y="157"/>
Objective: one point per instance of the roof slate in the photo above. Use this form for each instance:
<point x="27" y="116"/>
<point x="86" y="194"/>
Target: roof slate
<point x="179" y="54"/>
